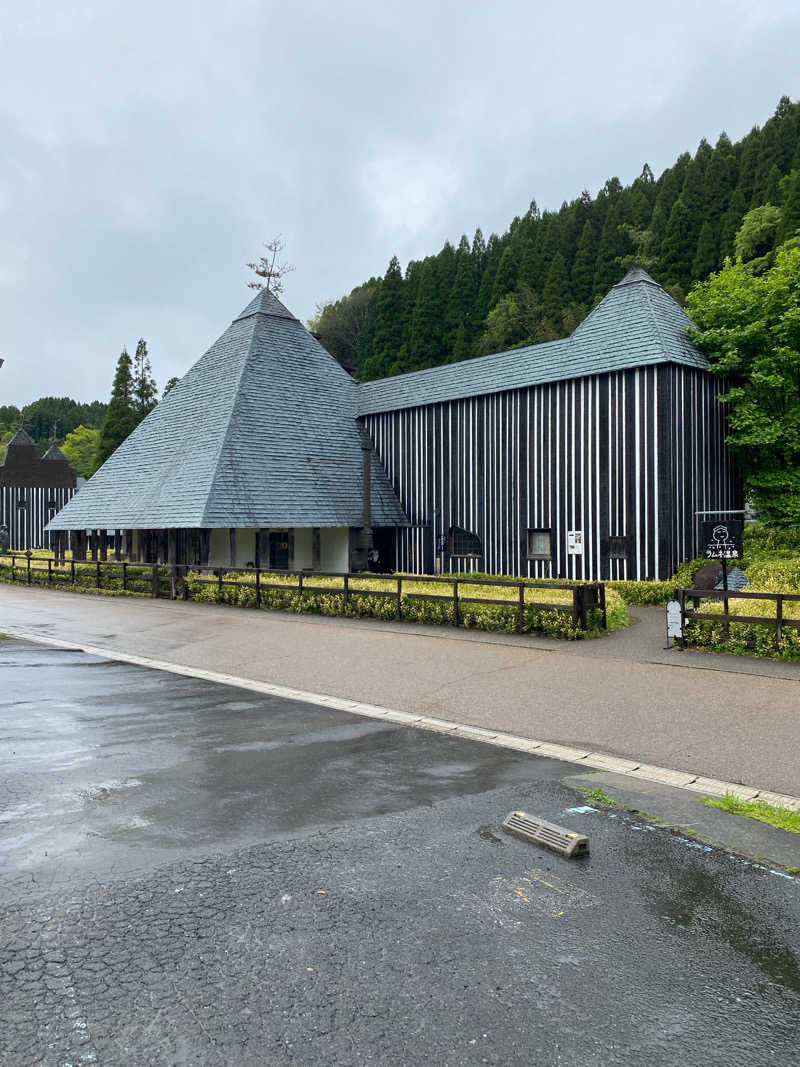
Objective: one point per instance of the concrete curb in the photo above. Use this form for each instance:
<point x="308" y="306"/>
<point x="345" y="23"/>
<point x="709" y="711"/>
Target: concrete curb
<point x="583" y="757"/>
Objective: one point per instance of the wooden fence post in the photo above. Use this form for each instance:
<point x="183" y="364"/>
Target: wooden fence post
<point x="456" y="613"/>
<point x="258" y="585"/>
<point x="155" y="581"/>
<point x="125" y="576"/>
<point x="29" y="569"/>
<point x="346" y="592"/>
<point x="98" y="573"/>
<point x="779" y="621"/>
<point x="399" y="598"/>
<point x="521" y="611"/>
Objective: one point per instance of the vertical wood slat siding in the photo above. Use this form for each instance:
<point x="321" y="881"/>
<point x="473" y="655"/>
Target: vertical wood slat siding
<point x="633" y="453"/>
<point x="26" y="525"/>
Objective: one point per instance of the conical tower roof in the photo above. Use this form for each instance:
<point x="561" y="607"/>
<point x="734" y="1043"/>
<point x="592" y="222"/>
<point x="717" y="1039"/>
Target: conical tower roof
<point x="54" y="452"/>
<point x="260" y="432"/>
<point x="21" y="439"/>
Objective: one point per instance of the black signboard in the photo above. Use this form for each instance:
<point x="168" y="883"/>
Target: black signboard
<point x="721" y="538"/>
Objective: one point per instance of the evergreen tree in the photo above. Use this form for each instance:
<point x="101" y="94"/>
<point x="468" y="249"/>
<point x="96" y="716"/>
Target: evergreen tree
<point x="790" y="205"/>
<point x="505" y="279"/>
<point x="678" y="246"/>
<point x="706" y="258"/>
<point x="731" y="221"/>
<point x="584" y="266"/>
<point x="478" y="252"/>
<point x="491" y="261"/>
<point x="556" y="288"/>
<point x="460" y="304"/>
<point x="387" y="337"/>
<point x="614" y="244"/>
<point x="145" y="391"/>
<point x="122" y="416"/>
<point x="426" y="326"/>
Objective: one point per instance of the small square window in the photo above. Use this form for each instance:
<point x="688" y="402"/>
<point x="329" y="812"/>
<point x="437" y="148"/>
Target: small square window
<point x="540" y="544"/>
<point x="618" y="547"/>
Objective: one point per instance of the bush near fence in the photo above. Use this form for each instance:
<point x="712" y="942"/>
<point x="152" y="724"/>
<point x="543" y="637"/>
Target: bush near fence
<point x="502" y="618"/>
<point x="204" y="587"/>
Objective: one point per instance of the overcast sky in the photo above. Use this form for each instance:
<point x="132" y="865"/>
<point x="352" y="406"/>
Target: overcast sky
<point x="149" y="149"/>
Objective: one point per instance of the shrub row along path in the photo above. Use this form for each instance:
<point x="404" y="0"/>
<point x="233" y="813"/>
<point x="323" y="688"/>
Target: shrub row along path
<point x="604" y="694"/>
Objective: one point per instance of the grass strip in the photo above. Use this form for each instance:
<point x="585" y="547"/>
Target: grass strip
<point x="783" y="818"/>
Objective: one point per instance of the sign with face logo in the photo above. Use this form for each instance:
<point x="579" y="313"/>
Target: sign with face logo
<point x="721" y="539"/>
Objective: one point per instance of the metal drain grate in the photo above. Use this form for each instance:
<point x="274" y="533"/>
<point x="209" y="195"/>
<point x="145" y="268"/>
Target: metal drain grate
<point x="527" y="827"/>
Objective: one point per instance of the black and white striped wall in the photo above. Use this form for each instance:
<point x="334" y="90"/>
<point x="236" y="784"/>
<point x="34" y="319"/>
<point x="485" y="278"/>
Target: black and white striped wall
<point x="629" y="456"/>
<point x="26" y="511"/>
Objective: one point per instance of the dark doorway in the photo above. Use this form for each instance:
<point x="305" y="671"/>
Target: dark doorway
<point x="279" y="550"/>
<point x="384" y="542"/>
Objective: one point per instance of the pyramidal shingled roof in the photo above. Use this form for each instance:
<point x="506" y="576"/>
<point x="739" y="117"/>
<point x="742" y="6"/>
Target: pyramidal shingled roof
<point x="636" y="324"/>
<point x="54" y="452"/>
<point x="21" y="439"/>
<point x="260" y="432"/>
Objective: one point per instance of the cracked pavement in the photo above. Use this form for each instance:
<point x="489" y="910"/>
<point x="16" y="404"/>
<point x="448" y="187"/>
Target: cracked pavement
<point x="192" y="874"/>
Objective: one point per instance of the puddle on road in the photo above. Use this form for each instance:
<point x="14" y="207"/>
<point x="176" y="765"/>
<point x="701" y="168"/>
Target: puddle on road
<point x="698" y="902"/>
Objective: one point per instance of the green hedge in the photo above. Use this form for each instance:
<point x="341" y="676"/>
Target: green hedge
<point x="498" y="618"/>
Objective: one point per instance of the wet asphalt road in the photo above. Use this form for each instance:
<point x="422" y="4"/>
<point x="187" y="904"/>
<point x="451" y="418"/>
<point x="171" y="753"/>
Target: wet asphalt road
<point x="190" y="874"/>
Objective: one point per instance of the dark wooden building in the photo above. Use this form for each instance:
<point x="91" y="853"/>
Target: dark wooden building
<point x="32" y="491"/>
<point x="586" y="457"/>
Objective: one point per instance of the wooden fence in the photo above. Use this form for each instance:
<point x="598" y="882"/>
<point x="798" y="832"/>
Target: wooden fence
<point x="170" y="581"/>
<point x="696" y="596"/>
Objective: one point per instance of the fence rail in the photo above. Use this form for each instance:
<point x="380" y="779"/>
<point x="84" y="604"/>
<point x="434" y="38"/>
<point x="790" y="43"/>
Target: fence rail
<point x="171" y="581"/>
<point x="726" y="617"/>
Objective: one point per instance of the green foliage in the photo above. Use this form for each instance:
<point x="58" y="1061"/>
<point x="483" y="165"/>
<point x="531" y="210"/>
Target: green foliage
<point x="599" y="797"/>
<point x="145" y="393"/>
<point x="783" y="818"/>
<point x="758" y="232"/>
<point x="748" y="324"/>
<point x="679" y="227"/>
<point x="80" y="448"/>
<point x="121" y="418"/>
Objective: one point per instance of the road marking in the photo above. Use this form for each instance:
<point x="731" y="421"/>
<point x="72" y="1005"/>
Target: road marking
<point x="579" y="756"/>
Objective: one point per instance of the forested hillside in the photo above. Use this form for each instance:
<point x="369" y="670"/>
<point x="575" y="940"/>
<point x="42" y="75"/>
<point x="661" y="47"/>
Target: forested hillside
<point x="50" y="419"/>
<point x="540" y="278"/>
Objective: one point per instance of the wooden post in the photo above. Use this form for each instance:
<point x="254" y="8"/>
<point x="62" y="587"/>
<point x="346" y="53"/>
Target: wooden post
<point x="93" y="545"/>
<point x="456" y="612"/>
<point x="118" y="545"/>
<point x="49" y="572"/>
<point x="104" y="545"/>
<point x="399" y="599"/>
<point x="778" y="621"/>
<point x="232" y="538"/>
<point x="97" y="566"/>
<point x="125" y="575"/>
<point x="155" y="580"/>
<point x="258" y="581"/>
<point x="521" y="611"/>
<point x="346" y="592"/>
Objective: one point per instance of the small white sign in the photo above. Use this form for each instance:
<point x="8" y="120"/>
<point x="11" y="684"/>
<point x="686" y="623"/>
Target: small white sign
<point x="574" y="542"/>
<point x="674" y="628"/>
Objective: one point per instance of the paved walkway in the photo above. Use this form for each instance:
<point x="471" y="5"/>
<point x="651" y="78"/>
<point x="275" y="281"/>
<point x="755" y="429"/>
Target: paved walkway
<point x="742" y="727"/>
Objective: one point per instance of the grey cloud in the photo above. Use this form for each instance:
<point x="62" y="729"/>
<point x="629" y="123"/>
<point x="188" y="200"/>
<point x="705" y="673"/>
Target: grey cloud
<point x="149" y="150"/>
